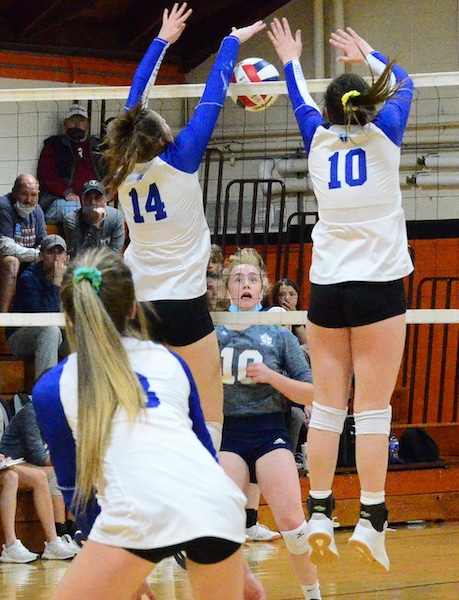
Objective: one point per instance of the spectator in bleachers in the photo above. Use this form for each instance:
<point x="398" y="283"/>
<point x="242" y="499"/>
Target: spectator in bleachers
<point x="22" y="439"/>
<point x="38" y="291"/>
<point x="26" y="476"/>
<point x="22" y="229"/>
<point x="216" y="259"/>
<point x="66" y="162"/>
<point x="94" y="224"/>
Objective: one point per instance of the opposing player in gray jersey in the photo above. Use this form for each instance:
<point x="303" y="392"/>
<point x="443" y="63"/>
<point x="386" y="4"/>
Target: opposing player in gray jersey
<point x="263" y="365"/>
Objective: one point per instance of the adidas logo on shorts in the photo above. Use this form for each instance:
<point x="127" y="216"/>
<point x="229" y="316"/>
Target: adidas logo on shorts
<point x="279" y="441"/>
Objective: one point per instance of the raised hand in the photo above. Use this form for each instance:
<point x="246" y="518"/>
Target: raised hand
<point x="287" y="47"/>
<point x="354" y="47"/>
<point x="174" y="22"/>
<point x="245" y="33"/>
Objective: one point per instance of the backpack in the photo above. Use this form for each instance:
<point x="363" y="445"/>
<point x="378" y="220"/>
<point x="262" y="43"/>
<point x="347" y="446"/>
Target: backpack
<point x="416" y="446"/>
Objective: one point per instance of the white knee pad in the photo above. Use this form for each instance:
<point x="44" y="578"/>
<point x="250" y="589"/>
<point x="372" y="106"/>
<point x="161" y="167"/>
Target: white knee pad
<point x="296" y="540"/>
<point x="327" y="418"/>
<point x="373" y="421"/>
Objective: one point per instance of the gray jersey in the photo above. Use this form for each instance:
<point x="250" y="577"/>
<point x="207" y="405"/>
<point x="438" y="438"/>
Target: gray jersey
<point x="272" y="345"/>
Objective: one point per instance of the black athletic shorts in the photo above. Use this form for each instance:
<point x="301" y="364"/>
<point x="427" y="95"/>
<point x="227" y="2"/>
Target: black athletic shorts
<point x="252" y="437"/>
<point x="205" y="551"/>
<point x="356" y="303"/>
<point x="178" y="322"/>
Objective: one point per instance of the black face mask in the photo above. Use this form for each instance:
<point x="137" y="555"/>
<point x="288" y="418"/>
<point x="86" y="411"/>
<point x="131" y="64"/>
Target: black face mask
<point x="75" y="135"/>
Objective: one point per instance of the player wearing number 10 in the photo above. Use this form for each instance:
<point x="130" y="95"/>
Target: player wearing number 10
<point x="356" y="317"/>
<point x="156" y="177"/>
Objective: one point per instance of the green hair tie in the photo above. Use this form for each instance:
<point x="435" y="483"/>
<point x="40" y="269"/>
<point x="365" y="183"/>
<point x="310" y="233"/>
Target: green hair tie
<point x="91" y="274"/>
<point x="345" y="98"/>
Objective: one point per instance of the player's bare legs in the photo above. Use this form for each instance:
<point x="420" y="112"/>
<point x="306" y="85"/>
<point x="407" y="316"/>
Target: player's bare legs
<point x="101" y="572"/>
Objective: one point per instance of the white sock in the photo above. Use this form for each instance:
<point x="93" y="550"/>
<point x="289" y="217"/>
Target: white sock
<point x="320" y="495"/>
<point x="372" y="498"/>
<point x="311" y="592"/>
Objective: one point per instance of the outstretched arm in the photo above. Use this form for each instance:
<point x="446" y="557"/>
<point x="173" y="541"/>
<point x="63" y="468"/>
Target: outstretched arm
<point x="287" y="47"/>
<point x="245" y="33"/>
<point x="355" y="48"/>
<point x="191" y="142"/>
<point x="173" y="24"/>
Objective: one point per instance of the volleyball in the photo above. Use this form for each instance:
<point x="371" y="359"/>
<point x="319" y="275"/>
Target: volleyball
<point x="254" y="70"/>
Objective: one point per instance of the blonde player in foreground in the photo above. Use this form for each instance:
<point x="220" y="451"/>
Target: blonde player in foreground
<point x="130" y="404"/>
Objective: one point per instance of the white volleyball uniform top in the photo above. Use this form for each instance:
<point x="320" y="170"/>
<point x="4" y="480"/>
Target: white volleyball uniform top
<point x="162" y="200"/>
<point x="161" y="485"/>
<point x="361" y="232"/>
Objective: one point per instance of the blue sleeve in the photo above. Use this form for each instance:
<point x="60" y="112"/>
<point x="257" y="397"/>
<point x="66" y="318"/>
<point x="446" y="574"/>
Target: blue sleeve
<point x="58" y="435"/>
<point x="295" y="364"/>
<point x="187" y="151"/>
<point x="35" y="451"/>
<point x="305" y="109"/>
<point x="147" y="71"/>
<point x="196" y="415"/>
<point x="393" y="116"/>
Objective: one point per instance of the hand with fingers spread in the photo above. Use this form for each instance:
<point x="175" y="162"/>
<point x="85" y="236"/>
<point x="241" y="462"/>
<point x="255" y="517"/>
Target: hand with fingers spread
<point x="287" y="47"/>
<point x="354" y="47"/>
<point x="174" y="22"/>
<point x="245" y="33"/>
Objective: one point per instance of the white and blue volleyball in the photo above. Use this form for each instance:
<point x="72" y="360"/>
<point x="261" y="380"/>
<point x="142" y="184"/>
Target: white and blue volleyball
<point x="254" y="70"/>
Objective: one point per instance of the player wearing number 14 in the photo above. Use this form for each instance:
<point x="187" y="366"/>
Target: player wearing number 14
<point x="156" y="177"/>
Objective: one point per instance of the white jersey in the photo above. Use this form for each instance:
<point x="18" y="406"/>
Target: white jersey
<point x="170" y="247"/>
<point x="161" y="486"/>
<point x="361" y="232"/>
<point x="162" y="200"/>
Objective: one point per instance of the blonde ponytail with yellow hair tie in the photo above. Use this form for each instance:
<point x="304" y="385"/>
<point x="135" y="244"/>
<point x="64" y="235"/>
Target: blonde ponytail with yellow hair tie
<point x="345" y="98"/>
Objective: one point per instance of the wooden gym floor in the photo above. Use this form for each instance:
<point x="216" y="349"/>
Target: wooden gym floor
<point x="425" y="566"/>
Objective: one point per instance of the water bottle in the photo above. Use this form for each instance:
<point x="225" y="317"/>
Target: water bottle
<point x="393" y="449"/>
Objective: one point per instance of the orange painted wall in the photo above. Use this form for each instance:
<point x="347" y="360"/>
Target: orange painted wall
<point x="78" y="69"/>
<point x="430" y="370"/>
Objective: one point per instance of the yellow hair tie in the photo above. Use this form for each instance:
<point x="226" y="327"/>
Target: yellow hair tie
<point x="350" y="94"/>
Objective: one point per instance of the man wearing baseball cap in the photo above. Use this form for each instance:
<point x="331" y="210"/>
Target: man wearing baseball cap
<point x="66" y="162"/>
<point x="94" y="224"/>
<point x="37" y="291"/>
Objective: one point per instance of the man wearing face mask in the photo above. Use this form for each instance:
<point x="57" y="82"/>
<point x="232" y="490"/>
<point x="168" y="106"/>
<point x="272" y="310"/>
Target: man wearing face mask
<point x="22" y="229"/>
<point x="94" y="224"/>
<point x="66" y="162"/>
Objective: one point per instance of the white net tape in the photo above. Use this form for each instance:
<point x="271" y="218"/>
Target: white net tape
<point x="421" y="316"/>
<point x="421" y="80"/>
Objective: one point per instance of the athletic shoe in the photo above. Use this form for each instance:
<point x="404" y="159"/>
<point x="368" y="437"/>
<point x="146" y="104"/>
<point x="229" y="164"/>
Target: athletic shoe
<point x="260" y="533"/>
<point x="299" y="460"/>
<point x="79" y="538"/>
<point x="17" y="553"/>
<point x="71" y="543"/>
<point x="58" y="550"/>
<point x="321" y="539"/>
<point x="370" y="543"/>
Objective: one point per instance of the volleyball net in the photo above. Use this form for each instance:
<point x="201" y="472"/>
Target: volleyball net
<point x="257" y="192"/>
